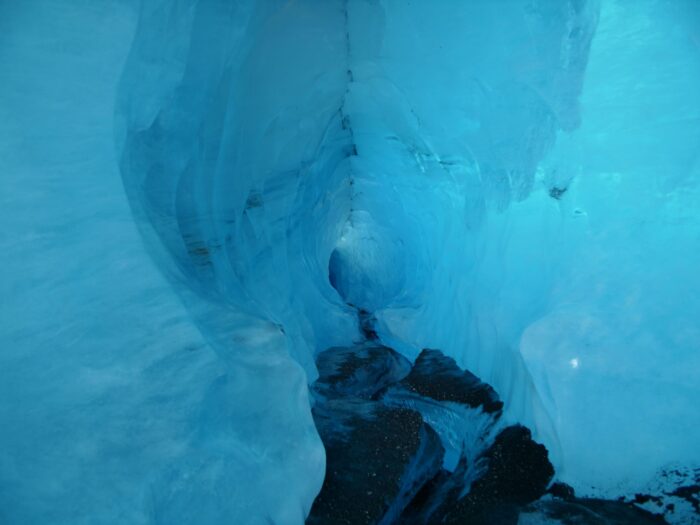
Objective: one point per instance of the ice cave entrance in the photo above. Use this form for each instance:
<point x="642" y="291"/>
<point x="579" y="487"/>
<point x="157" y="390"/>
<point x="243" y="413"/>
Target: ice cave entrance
<point x="367" y="266"/>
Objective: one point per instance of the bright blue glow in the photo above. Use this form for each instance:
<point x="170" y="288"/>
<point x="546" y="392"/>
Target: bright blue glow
<point x="516" y="183"/>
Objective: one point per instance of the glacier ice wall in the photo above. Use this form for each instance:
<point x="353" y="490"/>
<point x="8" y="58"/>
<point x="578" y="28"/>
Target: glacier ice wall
<point x="515" y="183"/>
<point x="115" y="407"/>
<point x="620" y="324"/>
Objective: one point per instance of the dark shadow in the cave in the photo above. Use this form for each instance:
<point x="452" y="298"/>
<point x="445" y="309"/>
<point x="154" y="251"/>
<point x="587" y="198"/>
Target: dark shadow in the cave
<point x="335" y="273"/>
<point x="338" y="281"/>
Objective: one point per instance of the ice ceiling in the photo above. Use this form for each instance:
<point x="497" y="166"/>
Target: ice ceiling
<point x="516" y="183"/>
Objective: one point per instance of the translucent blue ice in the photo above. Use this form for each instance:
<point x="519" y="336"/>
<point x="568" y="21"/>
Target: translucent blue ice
<point x="516" y="183"/>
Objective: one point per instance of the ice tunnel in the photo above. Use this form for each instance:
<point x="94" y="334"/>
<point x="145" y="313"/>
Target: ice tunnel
<point x="350" y="261"/>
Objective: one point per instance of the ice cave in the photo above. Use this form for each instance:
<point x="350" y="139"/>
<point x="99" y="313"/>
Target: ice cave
<point x="350" y="262"/>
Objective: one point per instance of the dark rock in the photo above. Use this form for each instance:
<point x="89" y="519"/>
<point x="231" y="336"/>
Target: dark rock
<point x="641" y="499"/>
<point x="444" y="487"/>
<point x="358" y="371"/>
<point x="439" y="502"/>
<point x="459" y="407"/>
<point x="377" y="459"/>
<point x="557" y="193"/>
<point x="562" y="491"/>
<point x="438" y="377"/>
<point x="384" y="464"/>
<point x="518" y="473"/>
<point x="367" y="321"/>
<point x="519" y="469"/>
<point x="690" y="493"/>
<point x="491" y="514"/>
<point x="587" y="511"/>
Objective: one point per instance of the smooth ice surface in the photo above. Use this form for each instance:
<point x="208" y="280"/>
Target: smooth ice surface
<point x="116" y="405"/>
<point x="515" y="183"/>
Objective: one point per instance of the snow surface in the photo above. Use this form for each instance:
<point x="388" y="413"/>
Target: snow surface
<point x="516" y="183"/>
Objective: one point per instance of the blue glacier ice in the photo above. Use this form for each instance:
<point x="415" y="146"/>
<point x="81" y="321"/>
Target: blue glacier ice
<point x="199" y="195"/>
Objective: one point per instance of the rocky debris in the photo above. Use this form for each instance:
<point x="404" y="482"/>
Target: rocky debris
<point x="436" y="376"/>
<point x="377" y="459"/>
<point x="517" y="473"/>
<point x="518" y="469"/>
<point x="385" y="463"/>
<point x="586" y="511"/>
<point x="562" y="507"/>
<point x="360" y="371"/>
<point x="377" y="456"/>
<point x="641" y="499"/>
<point x="367" y="322"/>
<point x="561" y="490"/>
<point x="690" y="493"/>
<point x="675" y="493"/>
<point x="557" y="193"/>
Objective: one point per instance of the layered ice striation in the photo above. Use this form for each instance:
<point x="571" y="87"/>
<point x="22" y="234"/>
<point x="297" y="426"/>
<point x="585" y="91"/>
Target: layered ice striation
<point x="516" y="183"/>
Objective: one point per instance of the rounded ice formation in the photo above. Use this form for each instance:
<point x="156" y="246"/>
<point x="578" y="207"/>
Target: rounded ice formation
<point x="367" y="266"/>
